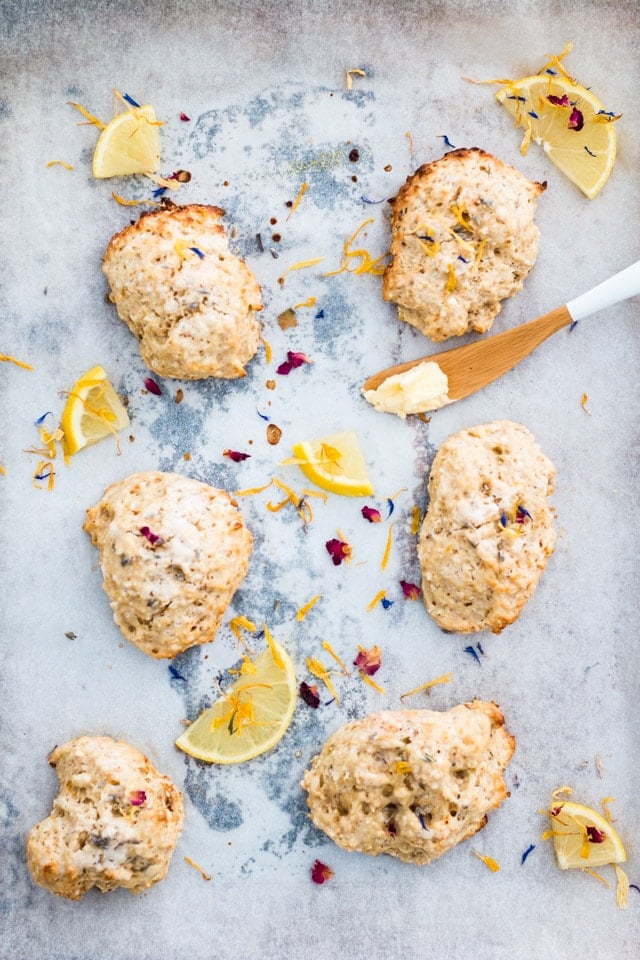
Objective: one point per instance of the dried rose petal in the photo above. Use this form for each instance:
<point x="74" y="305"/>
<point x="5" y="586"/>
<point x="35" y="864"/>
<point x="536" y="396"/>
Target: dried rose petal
<point x="310" y="695"/>
<point x="137" y="798"/>
<point x="153" y="387"/>
<point x="320" y="872"/>
<point x="293" y="361"/>
<point x="371" y="514"/>
<point x="562" y="101"/>
<point x="369" y="661"/>
<point x="183" y="116"/>
<point x="595" y="835"/>
<point x="338" y="550"/>
<point x="411" y="591"/>
<point x="154" y="538"/>
<point x="576" y="120"/>
<point x="522" y="514"/>
<point x="235" y="455"/>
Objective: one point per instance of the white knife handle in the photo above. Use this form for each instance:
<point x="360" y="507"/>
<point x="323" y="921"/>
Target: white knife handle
<point x="619" y="287"/>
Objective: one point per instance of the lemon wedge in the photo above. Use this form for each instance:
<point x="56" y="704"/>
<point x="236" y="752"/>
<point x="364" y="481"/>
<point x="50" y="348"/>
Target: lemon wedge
<point x="334" y="463"/>
<point x="583" y="838"/>
<point x="568" y="122"/>
<point x="93" y="411"/>
<point x="250" y="717"/>
<point x="130" y="143"/>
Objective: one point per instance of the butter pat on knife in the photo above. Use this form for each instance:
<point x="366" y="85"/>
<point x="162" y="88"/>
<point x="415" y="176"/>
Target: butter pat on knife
<point x="420" y="389"/>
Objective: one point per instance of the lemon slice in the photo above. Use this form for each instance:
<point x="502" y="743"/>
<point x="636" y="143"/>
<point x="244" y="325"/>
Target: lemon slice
<point x="573" y="128"/>
<point x="130" y="143"/>
<point x="251" y="716"/>
<point x="335" y="463"/>
<point x="93" y="411"/>
<point x="583" y="838"/>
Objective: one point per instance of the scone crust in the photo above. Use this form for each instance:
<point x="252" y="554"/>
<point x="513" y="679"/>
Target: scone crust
<point x="410" y="783"/>
<point x="480" y="564"/>
<point x="429" y="244"/>
<point x="173" y="552"/>
<point x="114" y="823"/>
<point x="195" y="316"/>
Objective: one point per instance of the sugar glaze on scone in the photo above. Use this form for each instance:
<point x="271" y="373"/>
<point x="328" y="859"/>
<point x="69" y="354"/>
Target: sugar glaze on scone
<point x="462" y="240"/>
<point x="488" y="531"/>
<point x="114" y="823"/>
<point x="410" y="783"/>
<point x="191" y="303"/>
<point x="173" y="552"/>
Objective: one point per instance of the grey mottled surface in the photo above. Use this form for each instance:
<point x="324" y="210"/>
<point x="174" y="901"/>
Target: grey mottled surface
<point x="264" y="85"/>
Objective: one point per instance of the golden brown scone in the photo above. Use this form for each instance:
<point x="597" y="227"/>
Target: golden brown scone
<point x="410" y="783"/>
<point x="488" y="531"/>
<point x="173" y="552"/>
<point x="462" y="240"/>
<point x="114" y="822"/>
<point x="188" y="300"/>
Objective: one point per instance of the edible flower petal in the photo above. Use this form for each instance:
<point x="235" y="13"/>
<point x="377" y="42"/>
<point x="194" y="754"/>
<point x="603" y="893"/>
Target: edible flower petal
<point x="153" y="387"/>
<point x="293" y="361"/>
<point x="154" y="538"/>
<point x="137" y="798"/>
<point x="310" y="695"/>
<point x="488" y="862"/>
<point x="576" y="120"/>
<point x="192" y="863"/>
<point x="235" y="455"/>
<point x="338" y="550"/>
<point x="562" y="101"/>
<point x="410" y="591"/>
<point x="371" y="514"/>
<point x="184" y="117"/>
<point x="368" y="661"/>
<point x="320" y="872"/>
<point x="526" y="853"/>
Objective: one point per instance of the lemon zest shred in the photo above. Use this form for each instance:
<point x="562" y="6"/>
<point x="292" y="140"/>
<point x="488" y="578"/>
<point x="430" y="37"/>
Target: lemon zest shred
<point x="241" y="623"/>
<point x="503" y="81"/>
<point x="50" y="478"/>
<point x="296" y="202"/>
<point x="604" y="118"/>
<point x="596" y="876"/>
<point x="459" y="213"/>
<point x="452" y="282"/>
<point x="622" y="888"/>
<point x="60" y="163"/>
<point x="251" y="491"/>
<point x="445" y="678"/>
<point x="196" y="866"/>
<point x="247" y="667"/>
<point x="489" y="862"/>
<point x="430" y="248"/>
<point x="412" y="149"/>
<point x="526" y="140"/>
<point x="380" y="595"/>
<point x="88" y="116"/>
<point x="604" y="803"/>
<point x="3" y="471"/>
<point x="371" y="682"/>
<point x="268" y="352"/>
<point x="415" y="519"/>
<point x="132" y="203"/>
<point x="353" y="72"/>
<point x="300" y="265"/>
<point x="557" y="794"/>
<point x="479" y="252"/>
<point x="304" y="610"/>
<point x="387" y="548"/>
<point x="318" y="669"/>
<point x="368" y="265"/>
<point x="163" y="181"/>
<point x="277" y="659"/>
<point x="402" y="767"/>
<point x="309" y="302"/>
<point x="546" y="834"/>
<point x="243" y="712"/>
<point x="6" y="358"/>
<point x="327" y="646"/>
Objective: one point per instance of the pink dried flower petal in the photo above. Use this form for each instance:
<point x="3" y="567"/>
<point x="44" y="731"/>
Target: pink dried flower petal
<point x="235" y="455"/>
<point x="153" y="387"/>
<point x="371" y="514"/>
<point x="595" y="835"/>
<point x="369" y="661"/>
<point x="310" y="695"/>
<point x="411" y="591"/>
<point x="293" y="361"/>
<point x="338" y="550"/>
<point x="320" y="872"/>
<point x="154" y="538"/>
<point x="137" y="798"/>
<point x="562" y="101"/>
<point x="183" y="116"/>
<point x="576" y="120"/>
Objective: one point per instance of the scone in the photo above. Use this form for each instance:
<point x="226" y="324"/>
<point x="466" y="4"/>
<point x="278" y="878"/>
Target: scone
<point x="410" y="783"/>
<point x="173" y="552"/>
<point x="462" y="240"/>
<point x="190" y="302"/>
<point x="488" y="531"/>
<point x="114" y="822"/>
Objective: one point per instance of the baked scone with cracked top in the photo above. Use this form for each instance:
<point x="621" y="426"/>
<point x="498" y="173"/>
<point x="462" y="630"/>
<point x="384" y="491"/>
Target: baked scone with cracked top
<point x="462" y="240"/>
<point x="173" y="552"/>
<point x="410" y="783"/>
<point x="190" y="302"/>
<point x="114" y="823"/>
<point x="488" y="531"/>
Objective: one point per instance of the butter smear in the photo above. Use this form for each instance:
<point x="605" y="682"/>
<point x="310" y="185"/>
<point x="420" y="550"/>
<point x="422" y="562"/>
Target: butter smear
<point x="420" y="389"/>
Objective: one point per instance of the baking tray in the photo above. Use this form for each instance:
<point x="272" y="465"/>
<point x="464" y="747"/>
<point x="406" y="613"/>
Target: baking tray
<point x="264" y="86"/>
